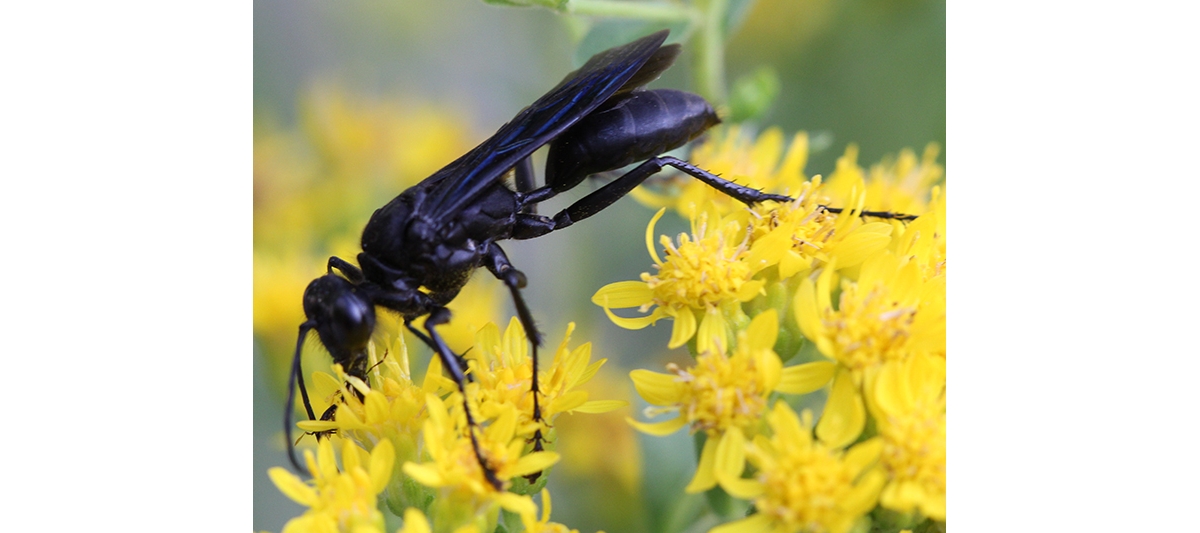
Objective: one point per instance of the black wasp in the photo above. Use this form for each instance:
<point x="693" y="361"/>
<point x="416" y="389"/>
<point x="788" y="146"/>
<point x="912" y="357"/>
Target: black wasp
<point x="436" y="233"/>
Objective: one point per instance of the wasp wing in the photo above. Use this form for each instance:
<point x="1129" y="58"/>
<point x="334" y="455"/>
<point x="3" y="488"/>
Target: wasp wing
<point x="457" y="184"/>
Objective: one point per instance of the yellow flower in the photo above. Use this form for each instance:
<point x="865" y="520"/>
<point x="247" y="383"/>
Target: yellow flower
<point x="463" y="493"/>
<point x="723" y="396"/>
<point x="899" y="185"/>
<point x="802" y="235"/>
<point x="391" y="407"/>
<point x="924" y="239"/>
<point x="804" y="484"/>
<point x="503" y="370"/>
<point x="890" y="313"/>
<point x="908" y="401"/>
<point x="704" y="279"/>
<point x="338" y="500"/>
<point x="731" y="153"/>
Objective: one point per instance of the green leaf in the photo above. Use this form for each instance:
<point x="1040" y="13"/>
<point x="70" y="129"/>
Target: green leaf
<point x="753" y="94"/>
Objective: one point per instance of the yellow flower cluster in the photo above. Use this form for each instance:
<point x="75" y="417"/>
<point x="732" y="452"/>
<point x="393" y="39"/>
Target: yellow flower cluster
<point x="860" y="300"/>
<point x="422" y="428"/>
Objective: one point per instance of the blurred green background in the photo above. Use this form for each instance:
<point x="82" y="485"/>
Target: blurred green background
<point x="866" y="72"/>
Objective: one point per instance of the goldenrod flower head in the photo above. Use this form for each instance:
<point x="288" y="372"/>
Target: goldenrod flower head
<point x="908" y="401"/>
<point x="392" y="406"/>
<point x="924" y="239"/>
<point x="889" y="313"/>
<point x="463" y="493"/>
<point x="706" y="274"/>
<point x="803" y="484"/>
<point x="736" y="155"/>
<point x="900" y="185"/>
<point x="338" y="500"/>
<point x="503" y="370"/>
<point x="802" y="235"/>
<point x="720" y="395"/>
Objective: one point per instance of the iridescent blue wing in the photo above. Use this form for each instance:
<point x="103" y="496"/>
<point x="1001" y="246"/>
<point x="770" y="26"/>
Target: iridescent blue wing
<point x="459" y="183"/>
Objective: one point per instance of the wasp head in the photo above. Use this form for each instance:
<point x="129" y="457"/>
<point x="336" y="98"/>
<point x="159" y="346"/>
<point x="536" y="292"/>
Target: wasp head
<point x="343" y="317"/>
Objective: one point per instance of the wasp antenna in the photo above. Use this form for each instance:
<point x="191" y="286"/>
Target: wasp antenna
<point x="296" y="377"/>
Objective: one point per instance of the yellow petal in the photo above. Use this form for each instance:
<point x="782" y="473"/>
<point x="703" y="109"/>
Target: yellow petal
<point x="415" y="522"/>
<point x="520" y="505"/>
<point x="683" y="329"/>
<point x="806" y="378"/>
<point x="768" y="250"/>
<point x="623" y="294"/>
<point x="423" y="474"/>
<point x="730" y="460"/>
<point x="325" y="460"/>
<point x="650" y="236"/>
<point x="376" y="407"/>
<point x="711" y="336"/>
<point x="792" y="263"/>
<point x="658" y="429"/>
<point x="383" y="459"/>
<point x="746" y="489"/>
<point x="656" y="388"/>
<point x="600" y="406"/>
<point x="316" y="426"/>
<point x="636" y="322"/>
<point x="808" y="317"/>
<point x="705" y="477"/>
<point x="844" y="416"/>
<point x="292" y="487"/>
<point x="351" y="460"/>
<point x="862" y="243"/>
<point x="764" y="329"/>
<point x="591" y="369"/>
<point x="755" y="523"/>
<point x="534" y="462"/>
<point x="865" y="494"/>
<point x="571" y="400"/>
<point x="864" y="455"/>
<point x="750" y="290"/>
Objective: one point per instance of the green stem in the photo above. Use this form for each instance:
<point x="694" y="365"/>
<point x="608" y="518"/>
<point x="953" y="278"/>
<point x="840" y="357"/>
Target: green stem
<point x="632" y="10"/>
<point x="710" y="51"/>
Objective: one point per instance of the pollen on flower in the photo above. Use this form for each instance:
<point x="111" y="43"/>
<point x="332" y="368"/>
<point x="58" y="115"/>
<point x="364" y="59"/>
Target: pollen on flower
<point x="908" y="400"/>
<point x="805" y="485"/>
<point x="705" y="269"/>
<point x="870" y="327"/>
<point x="890" y="313"/>
<point x="724" y="392"/>
<point x="721" y="392"/>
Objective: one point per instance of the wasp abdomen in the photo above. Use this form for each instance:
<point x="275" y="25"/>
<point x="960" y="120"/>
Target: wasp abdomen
<point x="630" y="127"/>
